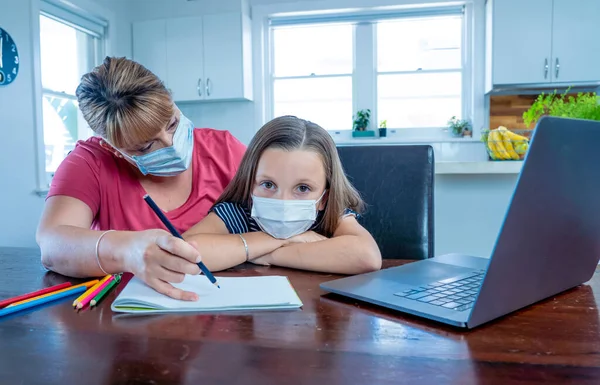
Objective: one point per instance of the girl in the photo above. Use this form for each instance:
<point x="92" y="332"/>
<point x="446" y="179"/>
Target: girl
<point x="289" y="204"/>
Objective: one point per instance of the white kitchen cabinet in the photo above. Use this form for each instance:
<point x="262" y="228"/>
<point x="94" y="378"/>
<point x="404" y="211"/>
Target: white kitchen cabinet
<point x="208" y="58"/>
<point x="541" y="42"/>
<point x="575" y="48"/>
<point x="185" y="58"/>
<point x="227" y="57"/>
<point x="149" y="48"/>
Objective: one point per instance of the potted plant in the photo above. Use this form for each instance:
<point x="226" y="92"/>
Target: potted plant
<point x="459" y="127"/>
<point x="582" y="106"/>
<point x="361" y="124"/>
<point x="383" y="128"/>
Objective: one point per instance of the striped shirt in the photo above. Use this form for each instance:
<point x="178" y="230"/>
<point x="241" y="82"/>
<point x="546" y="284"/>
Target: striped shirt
<point x="238" y="219"/>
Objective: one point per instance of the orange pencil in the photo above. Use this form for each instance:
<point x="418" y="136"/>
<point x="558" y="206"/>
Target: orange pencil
<point x="91" y="296"/>
<point x="91" y="289"/>
<point x="86" y="284"/>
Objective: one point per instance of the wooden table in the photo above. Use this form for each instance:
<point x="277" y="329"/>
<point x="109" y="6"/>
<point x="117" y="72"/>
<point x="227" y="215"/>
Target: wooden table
<point x="332" y="340"/>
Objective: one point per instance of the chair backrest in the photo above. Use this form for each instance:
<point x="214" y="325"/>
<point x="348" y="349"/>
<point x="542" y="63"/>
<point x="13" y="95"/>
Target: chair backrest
<point x="396" y="183"/>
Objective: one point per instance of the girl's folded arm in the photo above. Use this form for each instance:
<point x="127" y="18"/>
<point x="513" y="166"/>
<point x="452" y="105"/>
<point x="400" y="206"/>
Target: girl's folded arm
<point x="221" y="250"/>
<point x="351" y="250"/>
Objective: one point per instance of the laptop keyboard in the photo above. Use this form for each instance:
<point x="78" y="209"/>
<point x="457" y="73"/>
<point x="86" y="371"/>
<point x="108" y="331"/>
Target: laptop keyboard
<point x="453" y="293"/>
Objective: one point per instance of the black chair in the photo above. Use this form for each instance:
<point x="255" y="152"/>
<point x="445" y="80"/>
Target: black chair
<point x="396" y="183"/>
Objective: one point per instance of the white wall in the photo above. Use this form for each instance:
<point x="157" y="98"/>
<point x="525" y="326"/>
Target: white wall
<point x="20" y="206"/>
<point x="469" y="210"/>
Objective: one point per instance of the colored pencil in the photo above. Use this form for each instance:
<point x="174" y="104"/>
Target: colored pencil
<point x="94" y="293"/>
<point x="55" y="296"/>
<point x="175" y="233"/>
<point x="8" y="301"/>
<point x="104" y="291"/>
<point x="91" y="289"/>
<point x="85" y="284"/>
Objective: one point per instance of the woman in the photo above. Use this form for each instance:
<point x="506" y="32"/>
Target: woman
<point x="143" y="145"/>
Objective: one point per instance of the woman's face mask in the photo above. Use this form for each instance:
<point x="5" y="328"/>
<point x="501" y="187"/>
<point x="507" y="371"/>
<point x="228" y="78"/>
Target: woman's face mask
<point x="284" y="219"/>
<point x="172" y="160"/>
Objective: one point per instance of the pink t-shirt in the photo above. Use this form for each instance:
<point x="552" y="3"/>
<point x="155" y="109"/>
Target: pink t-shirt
<point x="108" y="185"/>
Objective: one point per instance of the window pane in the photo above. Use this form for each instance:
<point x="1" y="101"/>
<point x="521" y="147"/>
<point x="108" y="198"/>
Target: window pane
<point x="324" y="101"/>
<point x="63" y="126"/>
<point x="421" y="112"/>
<point x="63" y="55"/>
<point x="419" y="85"/>
<point x="426" y="43"/>
<point x="313" y="49"/>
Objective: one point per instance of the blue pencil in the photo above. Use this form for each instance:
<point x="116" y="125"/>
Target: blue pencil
<point x="175" y="233"/>
<point x="41" y="301"/>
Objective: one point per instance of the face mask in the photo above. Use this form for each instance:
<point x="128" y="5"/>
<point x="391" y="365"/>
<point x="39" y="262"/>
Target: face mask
<point x="169" y="161"/>
<point x="284" y="219"/>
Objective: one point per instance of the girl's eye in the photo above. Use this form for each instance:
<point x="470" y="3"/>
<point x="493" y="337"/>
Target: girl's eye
<point x="303" y="189"/>
<point x="268" y="185"/>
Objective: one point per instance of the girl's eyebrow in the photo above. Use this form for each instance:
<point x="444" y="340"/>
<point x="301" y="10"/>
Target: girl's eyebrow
<point x="307" y="181"/>
<point x="263" y="176"/>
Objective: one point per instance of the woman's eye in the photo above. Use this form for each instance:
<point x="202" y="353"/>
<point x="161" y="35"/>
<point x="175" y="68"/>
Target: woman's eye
<point x="174" y="125"/>
<point x="144" y="149"/>
<point x="268" y="185"/>
<point x="303" y="189"/>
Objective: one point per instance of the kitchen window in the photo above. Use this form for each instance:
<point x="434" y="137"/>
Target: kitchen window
<point x="407" y="67"/>
<point x="312" y="73"/>
<point x="419" y="71"/>
<point x="70" y="46"/>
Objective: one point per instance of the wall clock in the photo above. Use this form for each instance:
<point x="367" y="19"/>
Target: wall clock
<point x="9" y="59"/>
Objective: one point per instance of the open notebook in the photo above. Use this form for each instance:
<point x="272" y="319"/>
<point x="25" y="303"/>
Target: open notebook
<point x="236" y="293"/>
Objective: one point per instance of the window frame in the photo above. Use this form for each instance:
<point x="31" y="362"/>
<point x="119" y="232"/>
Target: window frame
<point x="365" y="70"/>
<point x="83" y="16"/>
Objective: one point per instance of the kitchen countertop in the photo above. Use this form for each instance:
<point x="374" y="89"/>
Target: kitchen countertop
<point x="483" y="167"/>
<point x="452" y="155"/>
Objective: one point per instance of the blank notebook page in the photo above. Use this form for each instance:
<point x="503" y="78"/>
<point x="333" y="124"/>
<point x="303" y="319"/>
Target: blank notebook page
<point x="235" y="293"/>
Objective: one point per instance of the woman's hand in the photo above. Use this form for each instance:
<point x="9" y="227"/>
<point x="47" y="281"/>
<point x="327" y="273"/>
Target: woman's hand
<point x="159" y="259"/>
<point x="307" y="237"/>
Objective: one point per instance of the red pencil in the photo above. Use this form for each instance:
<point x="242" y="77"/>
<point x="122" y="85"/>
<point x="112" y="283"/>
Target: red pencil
<point x="8" y="301"/>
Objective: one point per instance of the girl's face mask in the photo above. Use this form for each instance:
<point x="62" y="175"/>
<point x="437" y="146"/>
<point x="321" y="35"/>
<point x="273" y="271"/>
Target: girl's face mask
<point x="284" y="219"/>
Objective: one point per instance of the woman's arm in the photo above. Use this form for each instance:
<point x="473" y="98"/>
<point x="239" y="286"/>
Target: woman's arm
<point x="221" y="250"/>
<point x="351" y="250"/>
<point x="68" y="247"/>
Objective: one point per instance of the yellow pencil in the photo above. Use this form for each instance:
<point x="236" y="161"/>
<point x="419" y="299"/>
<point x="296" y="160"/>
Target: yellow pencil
<point x="91" y="289"/>
<point x="86" y="284"/>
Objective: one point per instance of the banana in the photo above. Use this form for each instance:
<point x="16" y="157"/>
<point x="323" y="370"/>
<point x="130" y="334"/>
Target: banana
<point x="512" y="136"/>
<point x="508" y="145"/>
<point x="496" y="139"/>
<point x="493" y="151"/>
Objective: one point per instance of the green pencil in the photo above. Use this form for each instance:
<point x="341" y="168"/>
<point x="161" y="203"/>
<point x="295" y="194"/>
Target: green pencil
<point x="108" y="287"/>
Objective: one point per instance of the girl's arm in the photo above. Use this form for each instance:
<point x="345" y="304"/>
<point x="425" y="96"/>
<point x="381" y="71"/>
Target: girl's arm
<point x="221" y="250"/>
<point x="351" y="250"/>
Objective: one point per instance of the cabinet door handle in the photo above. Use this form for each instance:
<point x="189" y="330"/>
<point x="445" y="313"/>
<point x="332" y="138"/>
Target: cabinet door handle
<point x="546" y="68"/>
<point x="199" y="87"/>
<point x="557" y="69"/>
<point x="208" y="83"/>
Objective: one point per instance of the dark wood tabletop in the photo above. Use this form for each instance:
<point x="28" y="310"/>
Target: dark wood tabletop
<point x="331" y="340"/>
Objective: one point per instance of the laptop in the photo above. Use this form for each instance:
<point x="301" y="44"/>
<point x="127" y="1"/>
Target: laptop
<point x="549" y="241"/>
